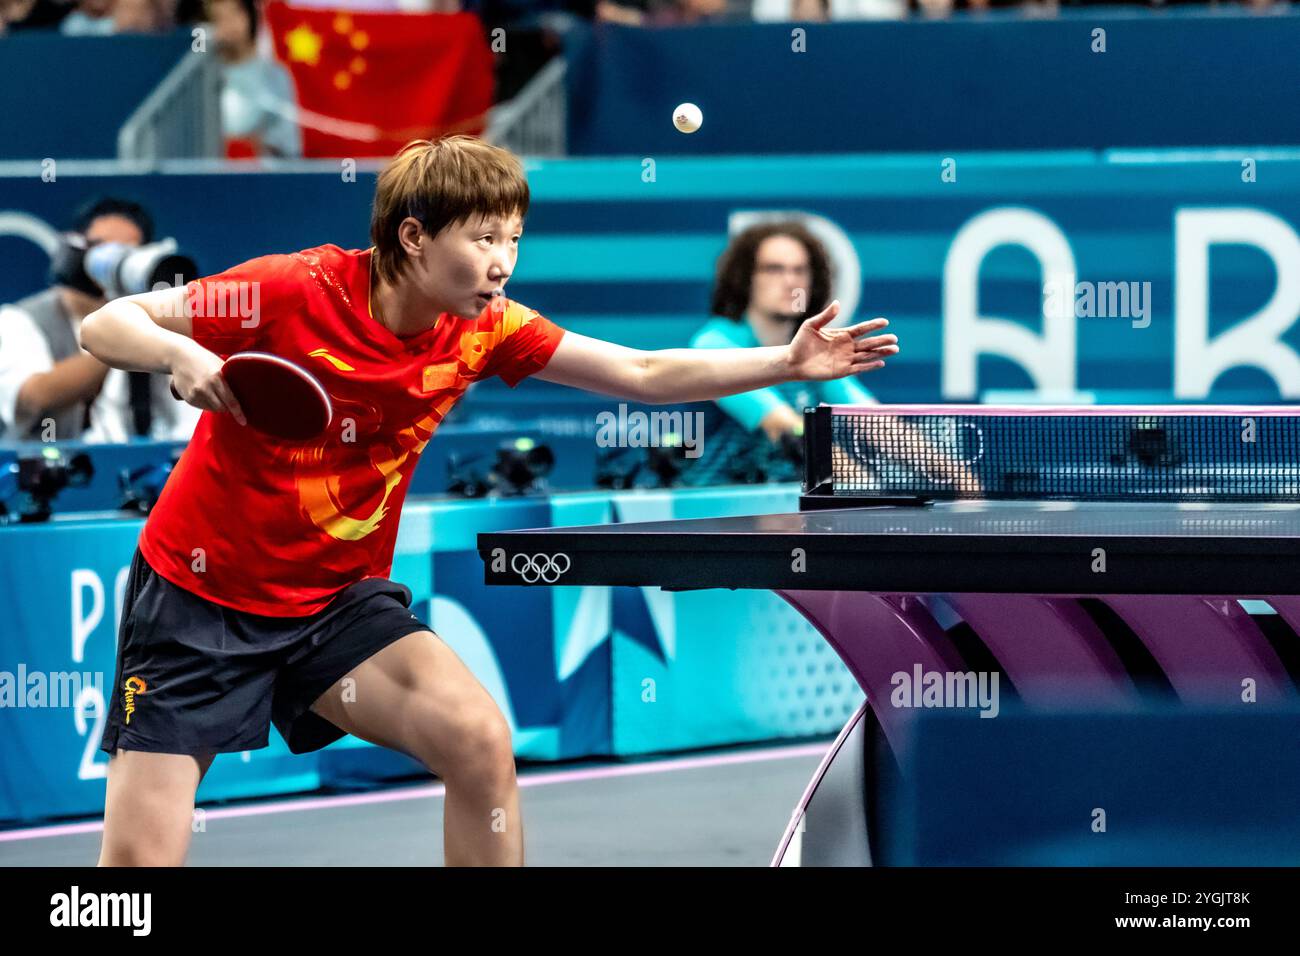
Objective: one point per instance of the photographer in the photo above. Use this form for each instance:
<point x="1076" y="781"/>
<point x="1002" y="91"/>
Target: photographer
<point x="53" y="390"/>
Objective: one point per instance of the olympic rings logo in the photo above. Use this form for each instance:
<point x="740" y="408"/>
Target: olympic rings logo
<point x="540" y="567"/>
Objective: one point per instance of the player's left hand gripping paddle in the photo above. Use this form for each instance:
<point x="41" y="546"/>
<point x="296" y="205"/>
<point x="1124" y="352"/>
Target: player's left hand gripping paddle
<point x="278" y="397"/>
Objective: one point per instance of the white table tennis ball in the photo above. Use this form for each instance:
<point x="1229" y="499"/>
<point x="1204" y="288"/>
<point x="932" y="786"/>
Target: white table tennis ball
<point x="688" y="117"/>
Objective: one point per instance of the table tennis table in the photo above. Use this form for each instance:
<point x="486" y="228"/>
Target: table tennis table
<point x="1041" y="582"/>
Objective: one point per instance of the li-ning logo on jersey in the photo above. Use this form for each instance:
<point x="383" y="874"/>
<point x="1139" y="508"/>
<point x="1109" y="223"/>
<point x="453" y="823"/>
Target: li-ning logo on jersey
<point x="133" y="686"/>
<point x="540" y="567"/>
<point x="338" y="363"/>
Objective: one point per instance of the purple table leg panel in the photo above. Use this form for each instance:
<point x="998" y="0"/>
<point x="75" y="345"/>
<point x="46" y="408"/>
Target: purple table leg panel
<point x="878" y="636"/>
<point x="1050" y="649"/>
<point x="1206" y="646"/>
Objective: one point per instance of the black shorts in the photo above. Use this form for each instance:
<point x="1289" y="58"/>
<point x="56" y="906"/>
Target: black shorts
<point x="196" y="677"/>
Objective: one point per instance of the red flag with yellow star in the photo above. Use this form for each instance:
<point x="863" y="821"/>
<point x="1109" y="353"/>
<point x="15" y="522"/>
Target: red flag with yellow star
<point x="370" y="82"/>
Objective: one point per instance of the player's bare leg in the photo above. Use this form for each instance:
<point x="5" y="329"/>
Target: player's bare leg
<point x="149" y="808"/>
<point x="416" y="696"/>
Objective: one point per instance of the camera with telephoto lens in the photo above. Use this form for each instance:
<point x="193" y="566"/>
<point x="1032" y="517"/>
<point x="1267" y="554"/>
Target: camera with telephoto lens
<point x="113" y="269"/>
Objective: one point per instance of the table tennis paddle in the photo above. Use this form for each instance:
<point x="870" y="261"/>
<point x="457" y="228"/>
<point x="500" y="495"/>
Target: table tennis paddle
<point x="278" y="397"/>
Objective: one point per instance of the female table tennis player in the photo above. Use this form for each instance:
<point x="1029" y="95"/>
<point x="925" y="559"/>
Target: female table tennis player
<point x="259" y="592"/>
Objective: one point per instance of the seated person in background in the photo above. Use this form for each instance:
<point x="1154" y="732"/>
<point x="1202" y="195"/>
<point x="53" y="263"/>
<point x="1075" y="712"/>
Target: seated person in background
<point x="142" y="16"/>
<point x="782" y="11"/>
<point x="91" y="18"/>
<point x="257" y="98"/>
<point x="17" y="15"/>
<point x="770" y="278"/>
<point x="398" y="6"/>
<point x="51" y="389"/>
<point x="662" y="13"/>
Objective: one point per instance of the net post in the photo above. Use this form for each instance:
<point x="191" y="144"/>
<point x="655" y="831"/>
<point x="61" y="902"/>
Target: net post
<point x="817" y="465"/>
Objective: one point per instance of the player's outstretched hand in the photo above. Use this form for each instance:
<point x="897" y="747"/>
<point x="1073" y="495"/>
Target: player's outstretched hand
<point x="818" y="353"/>
<point x="196" y="379"/>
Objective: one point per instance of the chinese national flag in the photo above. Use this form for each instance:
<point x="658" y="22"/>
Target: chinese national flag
<point x="370" y="82"/>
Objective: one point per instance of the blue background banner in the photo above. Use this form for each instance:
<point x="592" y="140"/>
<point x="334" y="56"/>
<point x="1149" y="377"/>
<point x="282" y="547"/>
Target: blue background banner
<point x="995" y="81"/>
<point x="55" y="102"/>
<point x="957" y="251"/>
<point x="1000" y="81"/>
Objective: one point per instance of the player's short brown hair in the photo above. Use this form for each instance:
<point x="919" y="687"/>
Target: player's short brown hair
<point x="441" y="182"/>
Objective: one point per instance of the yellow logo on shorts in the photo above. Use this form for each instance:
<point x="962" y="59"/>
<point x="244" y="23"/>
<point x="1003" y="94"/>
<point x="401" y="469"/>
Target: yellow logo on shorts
<point x="133" y="686"/>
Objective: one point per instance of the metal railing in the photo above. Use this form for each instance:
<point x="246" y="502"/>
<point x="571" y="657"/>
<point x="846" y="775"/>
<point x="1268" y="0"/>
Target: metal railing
<point x="533" y="123"/>
<point x="180" y="119"/>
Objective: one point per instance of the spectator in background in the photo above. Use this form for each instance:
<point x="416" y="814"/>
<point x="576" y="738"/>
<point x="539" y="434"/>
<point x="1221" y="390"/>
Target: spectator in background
<point x="814" y="10"/>
<point x="91" y="18"/>
<point x="770" y="278"/>
<point x="45" y="375"/>
<point x="141" y="16"/>
<point x="44" y="372"/>
<point x="392" y="6"/>
<point x="30" y="14"/>
<point x="662" y="13"/>
<point x="781" y="11"/>
<point x="257" y="98"/>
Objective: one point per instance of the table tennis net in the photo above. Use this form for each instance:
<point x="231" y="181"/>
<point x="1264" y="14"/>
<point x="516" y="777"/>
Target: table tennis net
<point x="960" y="452"/>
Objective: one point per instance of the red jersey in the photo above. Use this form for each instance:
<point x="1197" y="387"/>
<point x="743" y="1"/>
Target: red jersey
<point x="278" y="528"/>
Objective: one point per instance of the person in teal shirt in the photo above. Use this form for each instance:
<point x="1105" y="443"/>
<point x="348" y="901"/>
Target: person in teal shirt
<point x="770" y="278"/>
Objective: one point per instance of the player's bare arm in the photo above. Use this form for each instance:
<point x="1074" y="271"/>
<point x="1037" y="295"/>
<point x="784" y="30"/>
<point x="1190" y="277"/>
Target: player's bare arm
<point x="153" y="332"/>
<point x="692" y="375"/>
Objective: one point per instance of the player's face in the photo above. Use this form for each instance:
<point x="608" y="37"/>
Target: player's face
<point x="782" y="276"/>
<point x="469" y="262"/>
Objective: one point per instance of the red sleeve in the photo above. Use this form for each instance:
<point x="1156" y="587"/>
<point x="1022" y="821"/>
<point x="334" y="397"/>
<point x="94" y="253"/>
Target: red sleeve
<point x="233" y="310"/>
<point x="525" y="340"/>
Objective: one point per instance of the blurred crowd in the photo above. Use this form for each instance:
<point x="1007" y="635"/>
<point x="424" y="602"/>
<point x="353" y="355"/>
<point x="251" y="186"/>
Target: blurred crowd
<point x="769" y="11"/>
<point x="260" y="112"/>
<point x="104" y="17"/>
<point x="89" y="17"/>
